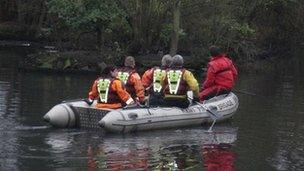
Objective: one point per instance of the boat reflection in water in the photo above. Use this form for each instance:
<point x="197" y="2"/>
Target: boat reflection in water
<point x="166" y="150"/>
<point x="218" y="155"/>
<point x="125" y="158"/>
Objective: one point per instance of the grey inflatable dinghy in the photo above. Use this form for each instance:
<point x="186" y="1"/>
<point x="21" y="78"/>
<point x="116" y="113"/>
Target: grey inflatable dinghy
<point x="79" y="114"/>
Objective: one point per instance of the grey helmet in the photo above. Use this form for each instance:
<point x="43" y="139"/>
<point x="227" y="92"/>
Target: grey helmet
<point x="177" y="61"/>
<point x="166" y="61"/>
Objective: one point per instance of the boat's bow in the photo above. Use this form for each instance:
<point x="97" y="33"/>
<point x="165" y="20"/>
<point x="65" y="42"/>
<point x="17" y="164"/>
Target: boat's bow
<point x="62" y="115"/>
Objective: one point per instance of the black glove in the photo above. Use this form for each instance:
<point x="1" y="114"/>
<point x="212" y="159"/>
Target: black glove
<point x="88" y="101"/>
<point x="196" y="99"/>
<point x="142" y="102"/>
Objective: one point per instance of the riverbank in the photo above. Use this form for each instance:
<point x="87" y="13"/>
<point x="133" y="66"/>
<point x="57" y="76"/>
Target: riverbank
<point x="47" y="58"/>
<point x="93" y="62"/>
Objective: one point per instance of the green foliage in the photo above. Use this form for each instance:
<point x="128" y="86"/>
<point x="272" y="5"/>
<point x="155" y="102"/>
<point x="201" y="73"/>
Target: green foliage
<point x="165" y="34"/>
<point x="243" y="29"/>
<point x="55" y="61"/>
<point x="269" y="3"/>
<point x="216" y="23"/>
<point x="13" y="30"/>
<point x="104" y="18"/>
<point x="116" y="28"/>
<point x="46" y="61"/>
<point x="67" y="63"/>
<point x="87" y="13"/>
<point x="6" y="30"/>
<point x="278" y="22"/>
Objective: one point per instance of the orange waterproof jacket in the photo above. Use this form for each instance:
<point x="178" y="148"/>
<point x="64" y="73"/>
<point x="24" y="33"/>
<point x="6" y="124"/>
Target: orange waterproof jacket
<point x="116" y="89"/>
<point x="148" y="76"/>
<point x="134" y="85"/>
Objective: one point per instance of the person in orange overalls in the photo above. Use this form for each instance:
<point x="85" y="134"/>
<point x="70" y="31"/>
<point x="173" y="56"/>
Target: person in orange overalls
<point x="153" y="81"/>
<point x="131" y="79"/>
<point x="221" y="75"/>
<point x="109" y="91"/>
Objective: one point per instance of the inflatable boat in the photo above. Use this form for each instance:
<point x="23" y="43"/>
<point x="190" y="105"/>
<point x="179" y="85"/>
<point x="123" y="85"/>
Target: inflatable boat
<point x="79" y="114"/>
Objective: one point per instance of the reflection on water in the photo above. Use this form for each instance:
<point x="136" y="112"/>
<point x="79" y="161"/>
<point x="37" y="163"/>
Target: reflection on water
<point x="289" y="152"/>
<point x="218" y="157"/>
<point x="273" y="120"/>
<point x="270" y="132"/>
<point x="59" y="143"/>
<point x="180" y="150"/>
<point x="9" y="108"/>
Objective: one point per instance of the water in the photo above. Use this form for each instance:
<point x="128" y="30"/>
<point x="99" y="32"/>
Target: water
<point x="267" y="133"/>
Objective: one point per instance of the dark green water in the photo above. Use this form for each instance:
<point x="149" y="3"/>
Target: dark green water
<point x="267" y="132"/>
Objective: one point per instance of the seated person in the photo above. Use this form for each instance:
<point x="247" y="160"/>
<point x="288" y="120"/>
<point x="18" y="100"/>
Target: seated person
<point x="153" y="81"/>
<point x="131" y="79"/>
<point x="177" y="83"/>
<point x="221" y="75"/>
<point x="109" y="91"/>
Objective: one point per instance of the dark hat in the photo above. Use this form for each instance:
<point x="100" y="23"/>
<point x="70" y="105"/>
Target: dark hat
<point x="107" y="70"/>
<point x="215" y="50"/>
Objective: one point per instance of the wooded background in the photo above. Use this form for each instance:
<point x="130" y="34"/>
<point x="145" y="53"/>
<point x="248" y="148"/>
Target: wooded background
<point x="246" y="29"/>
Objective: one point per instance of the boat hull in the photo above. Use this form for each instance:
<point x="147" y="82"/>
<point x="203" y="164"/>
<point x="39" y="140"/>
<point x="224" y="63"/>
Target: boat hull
<point x="141" y="119"/>
<point x="79" y="114"/>
<point x="73" y="114"/>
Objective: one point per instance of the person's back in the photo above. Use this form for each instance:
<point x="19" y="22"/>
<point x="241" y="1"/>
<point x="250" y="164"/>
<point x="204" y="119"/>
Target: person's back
<point x="225" y="71"/>
<point x="221" y="75"/>
<point x="178" y="82"/>
<point x="153" y="81"/>
<point x="131" y="79"/>
<point x="109" y="91"/>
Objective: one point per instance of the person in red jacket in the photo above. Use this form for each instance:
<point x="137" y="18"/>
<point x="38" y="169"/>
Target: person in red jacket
<point x="221" y="75"/>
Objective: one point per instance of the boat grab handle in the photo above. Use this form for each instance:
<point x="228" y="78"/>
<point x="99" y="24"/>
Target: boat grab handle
<point x="132" y="115"/>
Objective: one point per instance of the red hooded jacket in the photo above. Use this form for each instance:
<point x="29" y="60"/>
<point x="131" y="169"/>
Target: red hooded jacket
<point x="221" y="75"/>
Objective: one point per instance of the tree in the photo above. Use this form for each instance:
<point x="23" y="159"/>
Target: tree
<point x="176" y="27"/>
<point x="148" y="20"/>
<point x="96" y="16"/>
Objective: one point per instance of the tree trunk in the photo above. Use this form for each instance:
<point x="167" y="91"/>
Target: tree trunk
<point x="41" y="18"/>
<point x="136" y="24"/>
<point x="20" y="19"/>
<point x="2" y="11"/>
<point x="98" y="38"/>
<point x="176" y="25"/>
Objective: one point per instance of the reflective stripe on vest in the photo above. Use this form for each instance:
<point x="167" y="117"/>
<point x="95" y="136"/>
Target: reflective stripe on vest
<point x="174" y="78"/>
<point x="123" y="76"/>
<point x="103" y="86"/>
<point x="157" y="77"/>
